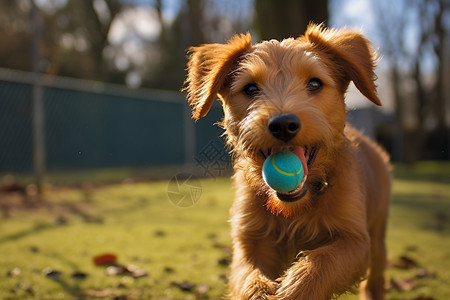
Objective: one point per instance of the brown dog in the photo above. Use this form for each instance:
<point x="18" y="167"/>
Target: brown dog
<point x="327" y="235"/>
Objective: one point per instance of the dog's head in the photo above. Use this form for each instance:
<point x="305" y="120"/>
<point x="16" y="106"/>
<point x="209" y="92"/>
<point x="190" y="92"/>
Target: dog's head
<point x="286" y="95"/>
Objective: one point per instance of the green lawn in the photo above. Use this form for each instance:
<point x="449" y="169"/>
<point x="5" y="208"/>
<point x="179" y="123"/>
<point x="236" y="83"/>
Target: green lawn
<point x="189" y="247"/>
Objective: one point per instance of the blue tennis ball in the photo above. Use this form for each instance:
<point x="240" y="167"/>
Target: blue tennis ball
<point x="283" y="171"/>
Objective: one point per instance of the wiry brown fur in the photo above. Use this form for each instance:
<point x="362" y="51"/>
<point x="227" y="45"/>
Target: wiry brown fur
<point x="325" y="243"/>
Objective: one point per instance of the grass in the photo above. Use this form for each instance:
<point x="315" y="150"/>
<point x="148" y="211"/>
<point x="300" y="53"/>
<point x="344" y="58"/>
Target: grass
<point x="189" y="247"/>
<point x="103" y="175"/>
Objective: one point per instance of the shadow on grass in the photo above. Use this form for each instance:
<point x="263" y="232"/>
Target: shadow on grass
<point x="436" y="171"/>
<point x="70" y="283"/>
<point x="434" y="210"/>
<point x="19" y="235"/>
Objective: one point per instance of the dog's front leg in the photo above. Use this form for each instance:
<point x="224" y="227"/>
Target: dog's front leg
<point x="252" y="266"/>
<point x="326" y="271"/>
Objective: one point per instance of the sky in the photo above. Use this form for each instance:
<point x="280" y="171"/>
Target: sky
<point x="135" y="21"/>
<point x="352" y="13"/>
<point x="359" y="14"/>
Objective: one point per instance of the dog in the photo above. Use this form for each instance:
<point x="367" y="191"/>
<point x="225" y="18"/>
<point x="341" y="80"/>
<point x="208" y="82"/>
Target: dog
<point x="326" y="237"/>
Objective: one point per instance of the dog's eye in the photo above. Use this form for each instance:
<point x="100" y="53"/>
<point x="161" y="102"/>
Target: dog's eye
<point x="314" y="85"/>
<point x="251" y="90"/>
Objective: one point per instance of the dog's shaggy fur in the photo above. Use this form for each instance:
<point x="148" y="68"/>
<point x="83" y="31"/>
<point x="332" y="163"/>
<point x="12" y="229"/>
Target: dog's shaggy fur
<point x="324" y="238"/>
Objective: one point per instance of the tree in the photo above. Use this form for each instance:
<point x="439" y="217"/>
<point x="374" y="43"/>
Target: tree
<point x="288" y="18"/>
<point x="76" y="34"/>
<point x="415" y="39"/>
<point x="207" y="21"/>
<point x="74" y="37"/>
<point x="75" y="46"/>
<point x="15" y="51"/>
<point x="197" y="22"/>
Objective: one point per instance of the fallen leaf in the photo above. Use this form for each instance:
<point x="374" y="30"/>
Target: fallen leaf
<point x="169" y="270"/>
<point x="79" y="275"/>
<point x="422" y="297"/>
<point x="99" y="293"/>
<point x="135" y="271"/>
<point x="201" y="289"/>
<point x="422" y="273"/>
<point x="405" y="262"/>
<point x="14" y="272"/>
<point x="184" y="286"/>
<point x="105" y="259"/>
<point x="131" y="270"/>
<point x="403" y="285"/>
<point x="116" y="270"/>
<point x="224" y="262"/>
<point x="50" y="273"/>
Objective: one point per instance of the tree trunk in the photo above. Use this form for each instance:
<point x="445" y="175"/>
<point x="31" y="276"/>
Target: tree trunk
<point x="287" y="18"/>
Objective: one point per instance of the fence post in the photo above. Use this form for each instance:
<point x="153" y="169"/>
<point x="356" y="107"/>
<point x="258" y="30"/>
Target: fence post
<point x="37" y="103"/>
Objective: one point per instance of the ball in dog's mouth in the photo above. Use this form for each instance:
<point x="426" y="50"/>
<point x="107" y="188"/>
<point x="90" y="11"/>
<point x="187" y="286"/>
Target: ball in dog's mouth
<point x="307" y="155"/>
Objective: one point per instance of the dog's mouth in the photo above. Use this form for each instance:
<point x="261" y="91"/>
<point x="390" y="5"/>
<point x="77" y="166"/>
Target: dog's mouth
<point x="307" y="155"/>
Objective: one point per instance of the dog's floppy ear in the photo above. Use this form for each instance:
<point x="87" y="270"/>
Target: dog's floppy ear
<point x="351" y="52"/>
<point x="208" y="69"/>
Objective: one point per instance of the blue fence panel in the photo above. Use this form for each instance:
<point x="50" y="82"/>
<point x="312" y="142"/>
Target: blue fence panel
<point x="89" y="128"/>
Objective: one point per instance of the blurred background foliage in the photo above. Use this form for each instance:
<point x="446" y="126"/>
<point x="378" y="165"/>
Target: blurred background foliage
<point x="126" y="121"/>
<point x="143" y="43"/>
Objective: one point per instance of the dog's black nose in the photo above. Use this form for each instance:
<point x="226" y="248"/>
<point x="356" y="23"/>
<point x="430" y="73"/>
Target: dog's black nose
<point x="284" y="127"/>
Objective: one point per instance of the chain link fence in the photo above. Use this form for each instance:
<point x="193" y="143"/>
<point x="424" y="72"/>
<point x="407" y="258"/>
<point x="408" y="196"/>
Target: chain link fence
<point x="90" y="125"/>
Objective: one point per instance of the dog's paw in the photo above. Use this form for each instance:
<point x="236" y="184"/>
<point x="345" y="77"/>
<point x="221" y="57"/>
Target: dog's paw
<point x="262" y="289"/>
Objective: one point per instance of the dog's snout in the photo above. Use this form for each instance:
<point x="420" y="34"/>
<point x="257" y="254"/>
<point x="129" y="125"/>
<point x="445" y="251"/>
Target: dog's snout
<point x="284" y="127"/>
